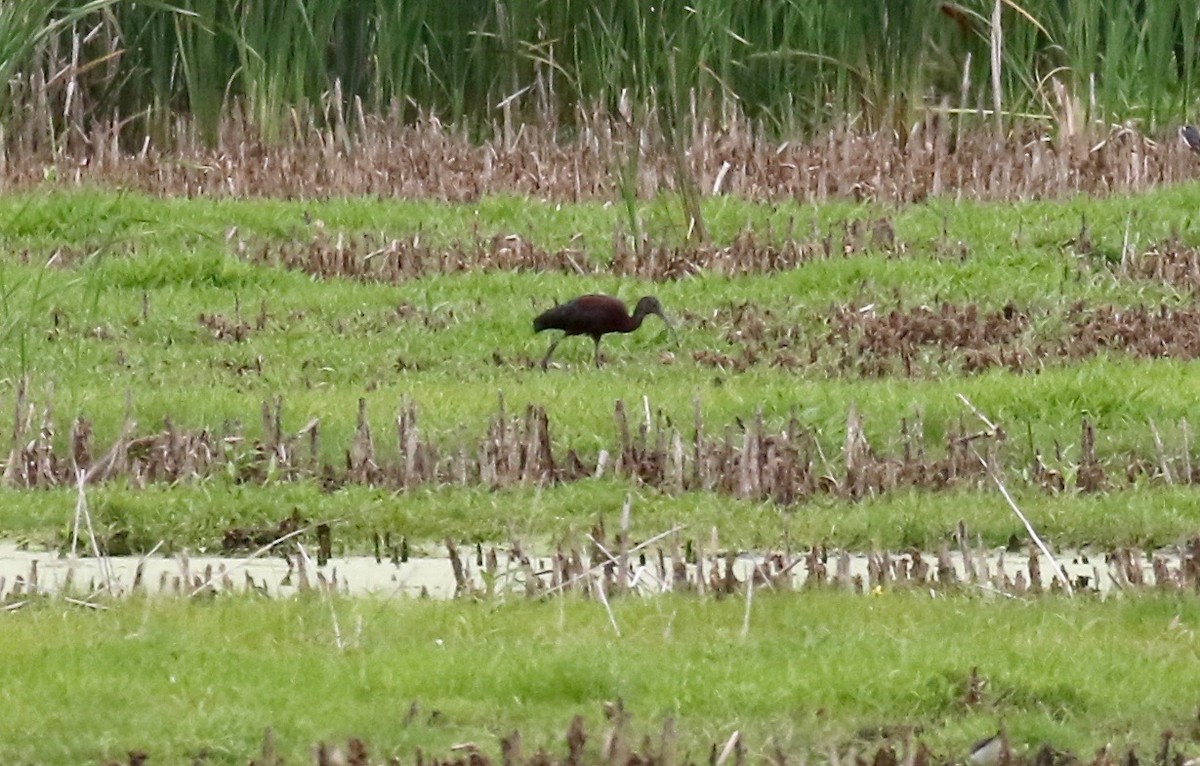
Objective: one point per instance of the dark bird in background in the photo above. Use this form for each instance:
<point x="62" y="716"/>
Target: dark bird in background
<point x="595" y="315"/>
<point x="1191" y="137"/>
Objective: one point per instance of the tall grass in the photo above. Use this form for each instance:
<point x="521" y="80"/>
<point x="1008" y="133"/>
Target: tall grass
<point x="792" y="64"/>
<point x="29" y="27"/>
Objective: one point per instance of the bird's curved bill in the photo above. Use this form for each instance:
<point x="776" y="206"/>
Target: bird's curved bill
<point x="670" y="328"/>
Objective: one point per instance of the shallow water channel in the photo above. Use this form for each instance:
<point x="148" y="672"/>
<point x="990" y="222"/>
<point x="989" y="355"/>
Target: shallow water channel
<point x="24" y="573"/>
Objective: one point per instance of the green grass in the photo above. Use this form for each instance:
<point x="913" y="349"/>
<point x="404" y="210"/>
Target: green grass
<point x="121" y="324"/>
<point x="176" y="679"/>
<point x="194" y="518"/>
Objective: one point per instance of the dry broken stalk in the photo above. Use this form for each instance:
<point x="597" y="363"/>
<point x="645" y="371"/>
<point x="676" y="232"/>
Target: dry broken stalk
<point x="325" y="596"/>
<point x="623" y="544"/>
<point x="611" y="560"/>
<point x="1059" y="572"/>
<point x="82" y="512"/>
<point x="599" y="591"/>
<point x="730" y="746"/>
<point x="749" y="601"/>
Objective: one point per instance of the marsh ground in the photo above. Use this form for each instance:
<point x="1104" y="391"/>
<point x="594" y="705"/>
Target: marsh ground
<point x="233" y="363"/>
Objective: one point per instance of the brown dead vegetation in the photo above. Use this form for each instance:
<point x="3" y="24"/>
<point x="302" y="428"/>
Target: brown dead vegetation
<point x="372" y="258"/>
<point x="918" y="341"/>
<point x="1171" y="262"/>
<point x="1143" y="332"/>
<point x="744" y="459"/>
<point x="382" y="156"/>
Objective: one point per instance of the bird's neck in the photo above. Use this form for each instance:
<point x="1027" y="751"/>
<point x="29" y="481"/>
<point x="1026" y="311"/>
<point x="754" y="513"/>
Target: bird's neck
<point x="635" y="321"/>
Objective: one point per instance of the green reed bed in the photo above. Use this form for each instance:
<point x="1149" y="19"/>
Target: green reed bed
<point x="788" y="63"/>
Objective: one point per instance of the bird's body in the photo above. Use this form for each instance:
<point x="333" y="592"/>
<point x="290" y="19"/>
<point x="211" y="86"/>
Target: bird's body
<point x="594" y="316"/>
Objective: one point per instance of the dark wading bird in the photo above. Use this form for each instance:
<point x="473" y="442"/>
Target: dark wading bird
<point x="1191" y="137"/>
<point x="595" y="315"/>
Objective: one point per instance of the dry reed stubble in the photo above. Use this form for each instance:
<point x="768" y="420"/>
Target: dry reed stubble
<point x="869" y="341"/>
<point x="373" y="258"/>
<point x="369" y="257"/>
<point x="741" y="459"/>
<point x="428" y="159"/>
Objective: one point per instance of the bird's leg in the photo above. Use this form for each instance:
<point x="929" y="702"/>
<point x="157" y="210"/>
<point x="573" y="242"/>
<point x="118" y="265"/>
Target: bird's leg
<point x="598" y="353"/>
<point x="553" y="345"/>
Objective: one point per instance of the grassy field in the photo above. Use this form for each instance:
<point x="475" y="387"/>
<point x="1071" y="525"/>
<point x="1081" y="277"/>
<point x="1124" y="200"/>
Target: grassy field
<point x="118" y="308"/>
<point x="184" y="680"/>
<point x="176" y="322"/>
<point x="195" y="518"/>
<point x="263" y="262"/>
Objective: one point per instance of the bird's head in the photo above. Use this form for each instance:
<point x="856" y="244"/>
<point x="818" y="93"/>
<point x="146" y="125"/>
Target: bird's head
<point x="650" y="305"/>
